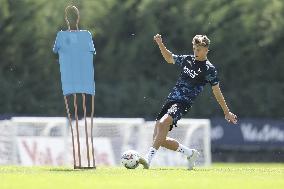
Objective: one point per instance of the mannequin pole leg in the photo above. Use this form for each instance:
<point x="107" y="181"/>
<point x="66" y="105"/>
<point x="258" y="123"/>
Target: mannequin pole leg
<point x="77" y="128"/>
<point x="70" y="124"/>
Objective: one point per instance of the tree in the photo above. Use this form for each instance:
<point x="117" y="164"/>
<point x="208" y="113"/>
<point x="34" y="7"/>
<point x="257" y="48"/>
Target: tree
<point x="131" y="78"/>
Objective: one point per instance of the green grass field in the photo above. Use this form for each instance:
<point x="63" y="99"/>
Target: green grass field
<point x="219" y="176"/>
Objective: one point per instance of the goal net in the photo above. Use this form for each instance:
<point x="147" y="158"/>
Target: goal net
<point x="47" y="141"/>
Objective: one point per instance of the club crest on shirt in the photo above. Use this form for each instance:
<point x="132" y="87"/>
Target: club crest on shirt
<point x="189" y="62"/>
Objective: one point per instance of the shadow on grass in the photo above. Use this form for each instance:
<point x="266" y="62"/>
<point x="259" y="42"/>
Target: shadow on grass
<point x="171" y="169"/>
<point x="64" y="169"/>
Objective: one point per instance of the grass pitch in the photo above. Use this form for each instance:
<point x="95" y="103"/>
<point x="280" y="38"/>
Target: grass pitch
<point x="219" y="176"/>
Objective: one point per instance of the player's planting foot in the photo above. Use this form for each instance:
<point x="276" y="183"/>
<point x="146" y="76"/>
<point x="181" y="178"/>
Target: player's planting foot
<point x="192" y="159"/>
<point x="144" y="162"/>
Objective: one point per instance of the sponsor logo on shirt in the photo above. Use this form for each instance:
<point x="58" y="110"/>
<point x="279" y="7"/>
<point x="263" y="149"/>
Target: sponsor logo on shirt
<point x="190" y="72"/>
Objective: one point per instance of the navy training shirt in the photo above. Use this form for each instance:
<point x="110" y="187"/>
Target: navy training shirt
<point x="193" y="77"/>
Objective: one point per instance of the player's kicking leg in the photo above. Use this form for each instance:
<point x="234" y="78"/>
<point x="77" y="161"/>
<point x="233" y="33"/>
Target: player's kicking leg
<point x="160" y="138"/>
<point x="160" y="133"/>
<point x="169" y="143"/>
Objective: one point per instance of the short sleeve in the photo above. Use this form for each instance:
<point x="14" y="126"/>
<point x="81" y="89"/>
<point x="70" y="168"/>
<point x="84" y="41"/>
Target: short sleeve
<point x="91" y="43"/>
<point x="57" y="43"/>
<point x="179" y="59"/>
<point x="212" y="75"/>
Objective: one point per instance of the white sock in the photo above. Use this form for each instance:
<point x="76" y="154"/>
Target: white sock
<point x="185" y="150"/>
<point x="151" y="154"/>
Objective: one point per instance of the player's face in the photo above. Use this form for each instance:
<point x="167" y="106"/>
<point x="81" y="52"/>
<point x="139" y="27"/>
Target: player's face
<point x="200" y="52"/>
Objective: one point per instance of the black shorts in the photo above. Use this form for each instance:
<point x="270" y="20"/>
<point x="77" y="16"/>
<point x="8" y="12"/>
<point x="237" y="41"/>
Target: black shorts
<point x="175" y="109"/>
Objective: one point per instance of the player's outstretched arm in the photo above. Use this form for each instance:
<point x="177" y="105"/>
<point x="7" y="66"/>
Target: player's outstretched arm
<point x="229" y="116"/>
<point x="168" y="56"/>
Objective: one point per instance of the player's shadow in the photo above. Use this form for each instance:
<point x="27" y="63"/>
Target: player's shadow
<point x="171" y="169"/>
<point x="64" y="169"/>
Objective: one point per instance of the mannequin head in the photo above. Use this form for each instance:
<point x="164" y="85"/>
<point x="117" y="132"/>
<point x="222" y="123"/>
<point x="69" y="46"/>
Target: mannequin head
<point x="72" y="17"/>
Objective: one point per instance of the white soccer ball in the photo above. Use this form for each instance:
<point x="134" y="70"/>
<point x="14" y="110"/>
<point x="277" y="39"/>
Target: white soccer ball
<point x="130" y="159"/>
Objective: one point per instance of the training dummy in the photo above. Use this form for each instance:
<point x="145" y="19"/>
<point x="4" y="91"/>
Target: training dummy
<point x="76" y="51"/>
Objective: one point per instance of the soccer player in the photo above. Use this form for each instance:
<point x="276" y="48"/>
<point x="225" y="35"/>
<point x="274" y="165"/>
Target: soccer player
<point x="196" y="72"/>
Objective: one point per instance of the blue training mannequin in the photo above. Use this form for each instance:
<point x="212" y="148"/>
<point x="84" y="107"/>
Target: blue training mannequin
<point x="76" y="50"/>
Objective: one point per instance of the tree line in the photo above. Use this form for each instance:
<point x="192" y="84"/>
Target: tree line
<point x="132" y="79"/>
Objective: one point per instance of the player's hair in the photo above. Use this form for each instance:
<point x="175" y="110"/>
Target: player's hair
<point x="75" y="10"/>
<point x="201" y="40"/>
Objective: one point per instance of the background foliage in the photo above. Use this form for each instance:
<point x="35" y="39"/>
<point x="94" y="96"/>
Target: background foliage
<point x="132" y="79"/>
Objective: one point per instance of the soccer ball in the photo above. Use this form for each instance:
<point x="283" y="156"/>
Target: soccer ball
<point x="130" y="159"/>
